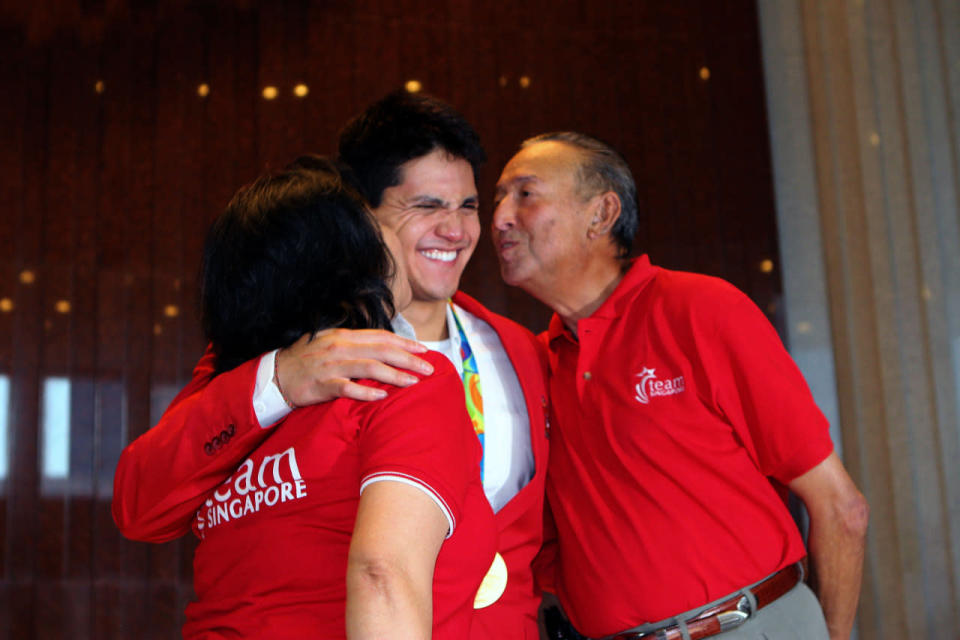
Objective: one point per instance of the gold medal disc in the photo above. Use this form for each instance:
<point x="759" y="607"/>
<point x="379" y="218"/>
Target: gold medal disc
<point x="493" y="585"/>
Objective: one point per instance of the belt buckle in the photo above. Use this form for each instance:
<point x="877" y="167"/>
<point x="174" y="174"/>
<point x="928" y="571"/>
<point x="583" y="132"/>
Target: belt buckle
<point x="727" y="620"/>
<point x="732" y="619"/>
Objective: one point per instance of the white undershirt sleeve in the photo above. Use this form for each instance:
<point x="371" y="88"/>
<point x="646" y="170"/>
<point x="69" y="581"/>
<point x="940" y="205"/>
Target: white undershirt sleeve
<point x="268" y="403"/>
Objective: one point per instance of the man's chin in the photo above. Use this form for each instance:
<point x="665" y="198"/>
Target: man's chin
<point x="510" y="276"/>
<point x="438" y="294"/>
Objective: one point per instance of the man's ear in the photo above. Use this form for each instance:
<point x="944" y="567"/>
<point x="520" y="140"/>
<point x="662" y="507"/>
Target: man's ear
<point x="606" y="212"/>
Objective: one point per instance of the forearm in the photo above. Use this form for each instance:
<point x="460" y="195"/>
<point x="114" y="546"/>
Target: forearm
<point x="160" y="482"/>
<point x="386" y="603"/>
<point x="164" y="476"/>
<point x="838" y="529"/>
<point x="836" y="556"/>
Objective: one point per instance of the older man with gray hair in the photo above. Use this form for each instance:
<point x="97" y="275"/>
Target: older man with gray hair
<point x="677" y="415"/>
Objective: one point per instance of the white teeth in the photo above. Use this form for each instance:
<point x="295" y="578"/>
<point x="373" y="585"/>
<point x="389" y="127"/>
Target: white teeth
<point x="437" y="254"/>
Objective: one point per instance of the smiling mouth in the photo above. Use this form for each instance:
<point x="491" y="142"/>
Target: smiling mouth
<point x="439" y="255"/>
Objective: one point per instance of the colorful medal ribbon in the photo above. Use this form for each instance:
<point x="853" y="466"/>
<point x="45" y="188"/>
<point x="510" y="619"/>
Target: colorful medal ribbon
<point x="471" y="383"/>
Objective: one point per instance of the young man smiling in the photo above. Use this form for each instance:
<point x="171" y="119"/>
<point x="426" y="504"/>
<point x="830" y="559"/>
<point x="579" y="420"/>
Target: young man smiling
<point x="434" y="213"/>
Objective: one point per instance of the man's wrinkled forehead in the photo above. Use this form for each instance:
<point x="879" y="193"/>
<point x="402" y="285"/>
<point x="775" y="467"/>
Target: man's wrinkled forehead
<point x="436" y="180"/>
<point x="540" y="162"/>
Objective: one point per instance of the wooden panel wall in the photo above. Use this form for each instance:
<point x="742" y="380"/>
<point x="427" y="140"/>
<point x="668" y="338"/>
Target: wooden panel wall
<point x="112" y="163"/>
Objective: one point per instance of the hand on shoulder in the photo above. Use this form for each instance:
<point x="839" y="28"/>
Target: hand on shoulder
<point x="323" y="366"/>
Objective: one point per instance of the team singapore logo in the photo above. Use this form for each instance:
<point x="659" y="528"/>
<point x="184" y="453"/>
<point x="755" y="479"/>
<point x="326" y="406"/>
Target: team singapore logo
<point x="649" y="387"/>
<point x="276" y="481"/>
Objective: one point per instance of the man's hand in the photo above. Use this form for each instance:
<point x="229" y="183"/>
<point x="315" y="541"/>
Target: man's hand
<point x="838" y="528"/>
<point x="323" y="366"/>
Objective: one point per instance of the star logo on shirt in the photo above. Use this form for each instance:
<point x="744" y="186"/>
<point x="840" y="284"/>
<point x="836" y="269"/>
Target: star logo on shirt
<point x="641" y="387"/>
<point x="649" y="386"/>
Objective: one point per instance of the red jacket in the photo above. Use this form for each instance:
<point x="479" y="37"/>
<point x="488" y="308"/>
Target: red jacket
<point x="520" y="521"/>
<point x="210" y="428"/>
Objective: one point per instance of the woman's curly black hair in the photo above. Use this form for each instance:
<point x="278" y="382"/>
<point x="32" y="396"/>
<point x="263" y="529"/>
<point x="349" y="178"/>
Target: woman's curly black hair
<point x="293" y="253"/>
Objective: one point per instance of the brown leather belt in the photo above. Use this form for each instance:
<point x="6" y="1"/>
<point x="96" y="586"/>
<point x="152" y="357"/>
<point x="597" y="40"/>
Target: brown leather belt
<point x="727" y="615"/>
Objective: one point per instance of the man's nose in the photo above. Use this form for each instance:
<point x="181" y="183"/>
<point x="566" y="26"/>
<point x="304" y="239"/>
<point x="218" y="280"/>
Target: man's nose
<point x="503" y="215"/>
<point x="451" y="227"/>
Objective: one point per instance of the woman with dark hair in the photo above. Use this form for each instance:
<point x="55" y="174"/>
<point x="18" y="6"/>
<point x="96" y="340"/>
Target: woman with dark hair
<point x="350" y="519"/>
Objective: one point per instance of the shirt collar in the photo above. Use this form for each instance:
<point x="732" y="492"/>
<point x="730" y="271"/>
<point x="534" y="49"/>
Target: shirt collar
<point x="403" y="328"/>
<point x="636" y="277"/>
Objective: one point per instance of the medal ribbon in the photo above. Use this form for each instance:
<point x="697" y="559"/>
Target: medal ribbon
<point x="471" y="383"/>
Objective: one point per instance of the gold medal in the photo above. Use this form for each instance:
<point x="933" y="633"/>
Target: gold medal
<point x="493" y="585"/>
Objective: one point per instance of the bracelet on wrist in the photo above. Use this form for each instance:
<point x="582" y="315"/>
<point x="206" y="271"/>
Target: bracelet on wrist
<point x="276" y="380"/>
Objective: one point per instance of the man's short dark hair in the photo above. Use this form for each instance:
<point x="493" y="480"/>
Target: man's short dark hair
<point x="293" y="253"/>
<point x="401" y="127"/>
<point x="602" y="169"/>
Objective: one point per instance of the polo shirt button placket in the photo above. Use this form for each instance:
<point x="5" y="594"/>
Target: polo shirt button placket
<point x="585" y="357"/>
<point x="581" y="383"/>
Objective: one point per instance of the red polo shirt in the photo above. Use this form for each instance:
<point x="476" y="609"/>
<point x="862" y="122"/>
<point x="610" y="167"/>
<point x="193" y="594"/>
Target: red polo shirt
<point x="275" y="537"/>
<point x="674" y="406"/>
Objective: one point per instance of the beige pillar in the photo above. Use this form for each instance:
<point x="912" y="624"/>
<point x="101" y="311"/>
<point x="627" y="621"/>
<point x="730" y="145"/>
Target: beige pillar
<point x="864" y="102"/>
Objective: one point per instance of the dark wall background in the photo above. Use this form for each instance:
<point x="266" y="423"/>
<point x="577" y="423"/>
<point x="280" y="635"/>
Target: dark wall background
<point x="112" y="164"/>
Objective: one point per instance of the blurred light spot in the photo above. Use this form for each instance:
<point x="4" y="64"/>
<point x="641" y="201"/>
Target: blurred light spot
<point x="704" y="73"/>
<point x="804" y="327"/>
<point x="171" y="311"/>
<point x="6" y="305"/>
<point x="772" y="308"/>
<point x="413" y="86"/>
<point x="62" y="306"/>
<point x="524" y="81"/>
<point x="27" y="276"/>
<point x="301" y="90"/>
<point x="874" y="139"/>
<point x="270" y="92"/>
<point x="503" y="81"/>
<point x="98" y="86"/>
<point x="927" y="293"/>
<point x="203" y="90"/>
<point x="157" y="329"/>
<point x="766" y="266"/>
<point x="55" y="462"/>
